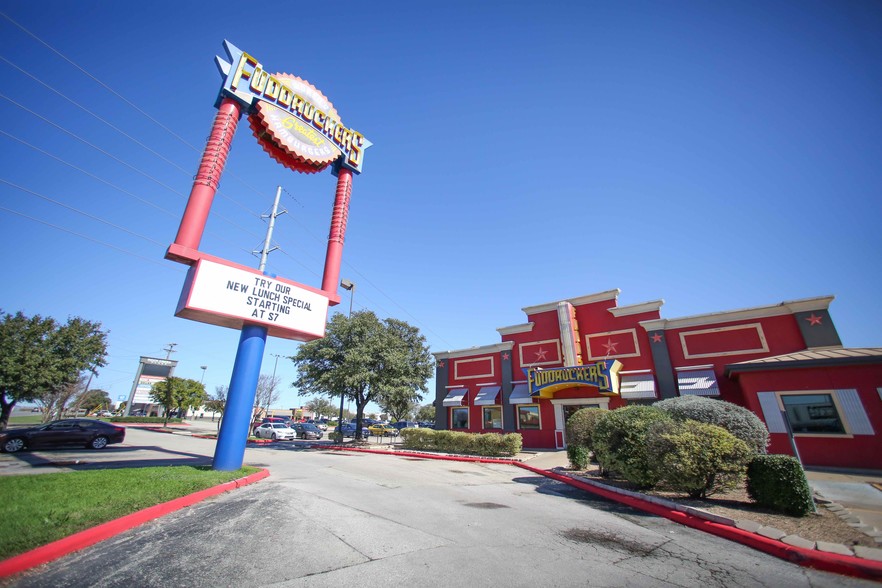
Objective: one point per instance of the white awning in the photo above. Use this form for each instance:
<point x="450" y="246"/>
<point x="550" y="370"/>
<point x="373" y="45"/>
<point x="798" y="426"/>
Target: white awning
<point x="697" y="383"/>
<point x="455" y="397"/>
<point x="635" y="386"/>
<point x="487" y="396"/>
<point x="520" y="395"/>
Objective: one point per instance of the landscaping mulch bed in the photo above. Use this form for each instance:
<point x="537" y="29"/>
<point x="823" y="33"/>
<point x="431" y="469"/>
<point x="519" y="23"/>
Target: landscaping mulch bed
<point x="736" y="504"/>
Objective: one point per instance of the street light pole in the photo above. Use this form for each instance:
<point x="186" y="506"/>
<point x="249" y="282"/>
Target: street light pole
<point x="203" y="367"/>
<point x="346" y="285"/>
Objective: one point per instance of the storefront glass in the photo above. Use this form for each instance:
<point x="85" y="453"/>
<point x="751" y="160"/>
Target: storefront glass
<point x="459" y="418"/>
<point x="492" y="417"/>
<point x="528" y="416"/>
<point x="812" y="413"/>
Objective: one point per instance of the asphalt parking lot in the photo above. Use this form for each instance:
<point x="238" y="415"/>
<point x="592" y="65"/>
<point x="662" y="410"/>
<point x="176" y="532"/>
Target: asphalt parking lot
<point x="330" y="518"/>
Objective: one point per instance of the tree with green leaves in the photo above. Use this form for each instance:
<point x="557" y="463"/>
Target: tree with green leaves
<point x="364" y="359"/>
<point x="92" y="400"/>
<point x="400" y="406"/>
<point x="426" y="413"/>
<point x="178" y="393"/>
<point x="38" y="355"/>
<point x="320" y="407"/>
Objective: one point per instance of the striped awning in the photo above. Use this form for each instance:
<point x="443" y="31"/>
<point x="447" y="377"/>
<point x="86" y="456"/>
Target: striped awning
<point x="634" y="386"/>
<point x="697" y="383"/>
<point x="520" y="395"/>
<point x="486" y="396"/>
<point x="455" y="397"/>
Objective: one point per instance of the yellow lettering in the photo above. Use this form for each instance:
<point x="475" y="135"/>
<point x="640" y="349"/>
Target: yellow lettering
<point x="258" y="82"/>
<point x="318" y="119"/>
<point x="285" y="95"/>
<point x="297" y="104"/>
<point x="272" y="88"/>
<point x="240" y="72"/>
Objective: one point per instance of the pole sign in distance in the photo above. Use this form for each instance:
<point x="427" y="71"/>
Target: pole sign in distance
<point x="228" y="296"/>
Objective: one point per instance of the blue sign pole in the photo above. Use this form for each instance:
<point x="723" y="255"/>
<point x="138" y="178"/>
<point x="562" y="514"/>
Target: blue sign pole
<point x="230" y="450"/>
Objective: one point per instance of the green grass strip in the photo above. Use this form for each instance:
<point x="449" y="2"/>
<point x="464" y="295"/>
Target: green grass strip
<point x="38" y="509"/>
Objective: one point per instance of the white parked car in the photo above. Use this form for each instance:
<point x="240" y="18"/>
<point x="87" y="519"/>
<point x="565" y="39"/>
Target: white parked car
<point x="275" y="431"/>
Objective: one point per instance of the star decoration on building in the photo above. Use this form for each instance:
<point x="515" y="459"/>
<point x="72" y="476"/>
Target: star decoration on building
<point x="541" y="354"/>
<point x="610" y="347"/>
<point x="657" y="338"/>
<point x="505" y="356"/>
<point x="440" y="364"/>
<point x="813" y="320"/>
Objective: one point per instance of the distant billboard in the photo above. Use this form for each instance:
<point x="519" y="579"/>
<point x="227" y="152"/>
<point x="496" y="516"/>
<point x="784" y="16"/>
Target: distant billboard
<point x="150" y="371"/>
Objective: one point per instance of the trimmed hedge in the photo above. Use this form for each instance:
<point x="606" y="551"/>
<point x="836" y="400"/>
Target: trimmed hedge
<point x="620" y="442"/>
<point x="737" y="420"/>
<point x="696" y="458"/>
<point x="483" y="444"/>
<point x="158" y="420"/>
<point x="778" y="482"/>
<point x="580" y="426"/>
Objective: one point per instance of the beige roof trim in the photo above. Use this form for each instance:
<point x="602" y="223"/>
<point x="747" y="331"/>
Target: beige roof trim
<point x="482" y="350"/>
<point x="653" y="305"/>
<point x="515" y="329"/>
<point x="590" y="298"/>
<point x="782" y="308"/>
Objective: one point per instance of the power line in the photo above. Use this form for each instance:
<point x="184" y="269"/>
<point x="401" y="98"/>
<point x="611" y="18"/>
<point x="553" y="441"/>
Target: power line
<point x="168" y="130"/>
<point x="96" y="80"/>
<point x="90" y="174"/>
<point x="88" y="238"/>
<point x="83" y="213"/>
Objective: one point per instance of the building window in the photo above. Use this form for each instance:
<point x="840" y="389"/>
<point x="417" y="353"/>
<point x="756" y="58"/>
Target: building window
<point x="459" y="418"/>
<point x="528" y="417"/>
<point x="492" y="417"/>
<point x="812" y="413"/>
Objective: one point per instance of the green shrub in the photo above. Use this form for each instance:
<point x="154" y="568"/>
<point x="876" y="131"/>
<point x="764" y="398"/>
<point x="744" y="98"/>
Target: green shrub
<point x="486" y="444"/>
<point x="579" y="456"/>
<point x="580" y="426"/>
<point x="512" y="443"/>
<point x="778" y="482"/>
<point x="739" y="421"/>
<point x="417" y="438"/>
<point x="620" y="442"/>
<point x="696" y="458"/>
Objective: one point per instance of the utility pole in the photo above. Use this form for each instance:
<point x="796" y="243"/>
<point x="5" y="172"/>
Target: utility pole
<point x="269" y="231"/>
<point x="170" y="349"/>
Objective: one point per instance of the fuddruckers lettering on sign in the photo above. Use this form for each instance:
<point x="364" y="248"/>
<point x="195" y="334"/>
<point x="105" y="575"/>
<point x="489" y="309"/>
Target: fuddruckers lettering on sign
<point x="603" y="374"/>
<point x="247" y="80"/>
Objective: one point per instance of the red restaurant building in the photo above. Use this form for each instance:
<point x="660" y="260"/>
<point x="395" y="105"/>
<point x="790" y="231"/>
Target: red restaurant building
<point x="785" y="362"/>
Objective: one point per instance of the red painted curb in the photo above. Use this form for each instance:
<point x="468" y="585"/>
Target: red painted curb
<point x="77" y="541"/>
<point x="821" y="560"/>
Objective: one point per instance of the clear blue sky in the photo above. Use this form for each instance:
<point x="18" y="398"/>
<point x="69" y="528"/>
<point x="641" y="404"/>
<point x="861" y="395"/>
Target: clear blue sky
<point x="717" y="155"/>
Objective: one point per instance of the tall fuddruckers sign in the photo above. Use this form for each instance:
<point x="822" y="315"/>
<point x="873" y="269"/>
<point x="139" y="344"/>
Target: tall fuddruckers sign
<point x="293" y="121"/>
<point x="298" y="126"/>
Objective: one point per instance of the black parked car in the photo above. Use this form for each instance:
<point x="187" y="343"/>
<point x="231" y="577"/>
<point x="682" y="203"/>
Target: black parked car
<point x="307" y="431"/>
<point x="88" y="433"/>
<point x="349" y="431"/>
<point x="405" y="425"/>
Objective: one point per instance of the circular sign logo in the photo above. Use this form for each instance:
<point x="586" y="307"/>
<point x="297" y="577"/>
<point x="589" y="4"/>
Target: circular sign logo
<point x="297" y="141"/>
